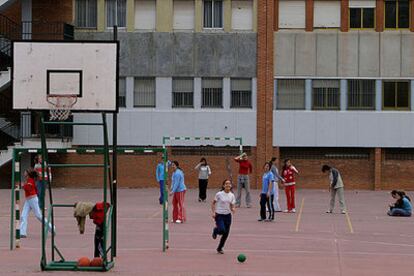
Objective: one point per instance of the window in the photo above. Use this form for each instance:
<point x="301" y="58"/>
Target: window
<point x="213" y="14"/>
<point x="362" y="18"/>
<point x="144" y="92"/>
<point x="122" y="92"/>
<point x="241" y="93"/>
<point x="327" y="14"/>
<point x="397" y="14"/>
<point x="145" y="14"/>
<point x="325" y="94"/>
<point x="85" y="13"/>
<point x="242" y="15"/>
<point x="396" y="95"/>
<point x="115" y="13"/>
<point x="290" y="94"/>
<point x="183" y="92"/>
<point x="212" y="92"/>
<point x="291" y="14"/>
<point x="183" y="15"/>
<point x="361" y="94"/>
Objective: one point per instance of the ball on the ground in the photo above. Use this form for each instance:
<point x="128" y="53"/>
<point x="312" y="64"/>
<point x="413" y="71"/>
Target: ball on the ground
<point x="84" y="261"/>
<point x="96" y="262"/>
<point x="241" y="258"/>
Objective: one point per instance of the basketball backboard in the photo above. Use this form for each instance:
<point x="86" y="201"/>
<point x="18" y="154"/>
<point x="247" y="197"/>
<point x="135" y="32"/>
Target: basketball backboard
<point x="45" y="70"/>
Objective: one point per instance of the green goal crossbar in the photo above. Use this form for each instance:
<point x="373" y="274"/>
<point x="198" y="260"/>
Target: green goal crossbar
<point x="169" y="139"/>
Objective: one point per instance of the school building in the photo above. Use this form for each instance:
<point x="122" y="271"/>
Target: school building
<point x="316" y="81"/>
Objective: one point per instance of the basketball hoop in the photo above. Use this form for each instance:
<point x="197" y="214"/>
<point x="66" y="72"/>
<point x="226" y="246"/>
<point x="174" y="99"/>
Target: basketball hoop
<point x="61" y="106"/>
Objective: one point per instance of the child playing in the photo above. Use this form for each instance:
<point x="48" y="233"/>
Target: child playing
<point x="402" y="207"/>
<point x="288" y="174"/>
<point x="267" y="194"/>
<point x="31" y="203"/>
<point x="98" y="216"/>
<point x="222" y="207"/>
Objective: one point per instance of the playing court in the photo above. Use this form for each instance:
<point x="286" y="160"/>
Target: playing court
<point x="310" y="242"/>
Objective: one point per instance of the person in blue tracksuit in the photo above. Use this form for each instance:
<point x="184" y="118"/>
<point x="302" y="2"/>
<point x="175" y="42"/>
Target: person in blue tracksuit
<point x="159" y="174"/>
<point x="267" y="193"/>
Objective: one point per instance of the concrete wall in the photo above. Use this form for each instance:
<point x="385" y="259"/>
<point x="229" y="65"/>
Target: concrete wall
<point x="336" y="54"/>
<point x="343" y="129"/>
<point x="147" y="126"/>
<point x="184" y="54"/>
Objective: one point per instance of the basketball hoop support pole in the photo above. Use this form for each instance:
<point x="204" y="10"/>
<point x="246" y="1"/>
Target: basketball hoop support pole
<point x="115" y="155"/>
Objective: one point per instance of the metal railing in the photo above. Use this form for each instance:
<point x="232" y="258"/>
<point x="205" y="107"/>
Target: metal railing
<point x="44" y="30"/>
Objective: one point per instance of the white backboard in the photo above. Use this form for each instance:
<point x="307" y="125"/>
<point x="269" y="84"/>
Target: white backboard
<point x="88" y="70"/>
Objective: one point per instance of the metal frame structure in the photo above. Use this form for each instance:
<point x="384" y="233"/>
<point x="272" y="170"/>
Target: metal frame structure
<point x="110" y="221"/>
<point x="165" y="140"/>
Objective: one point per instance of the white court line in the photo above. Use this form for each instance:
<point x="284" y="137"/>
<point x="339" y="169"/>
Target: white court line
<point x="265" y="251"/>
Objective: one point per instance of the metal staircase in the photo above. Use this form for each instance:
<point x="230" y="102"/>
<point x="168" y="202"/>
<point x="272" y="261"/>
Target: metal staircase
<point x="14" y="126"/>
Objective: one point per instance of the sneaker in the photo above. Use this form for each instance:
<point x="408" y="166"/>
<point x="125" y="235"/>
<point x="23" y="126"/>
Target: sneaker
<point x="23" y="236"/>
<point x="260" y="219"/>
<point x="178" y="221"/>
<point x="214" y="235"/>
<point x="293" y="210"/>
<point x="199" y="200"/>
<point x="329" y="212"/>
<point x="278" y="211"/>
<point x="285" y="211"/>
<point x="343" y="212"/>
<point x="220" y="251"/>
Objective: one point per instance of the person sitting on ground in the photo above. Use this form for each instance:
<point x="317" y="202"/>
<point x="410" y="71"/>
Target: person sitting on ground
<point x="402" y="207"/>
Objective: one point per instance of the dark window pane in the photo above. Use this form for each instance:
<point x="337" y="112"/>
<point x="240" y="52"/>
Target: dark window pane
<point x="389" y="94"/>
<point x="403" y="14"/>
<point x="390" y="14"/>
<point x="355" y="18"/>
<point x="218" y="14"/>
<point x="402" y="95"/>
<point x="208" y="16"/>
<point x="368" y="18"/>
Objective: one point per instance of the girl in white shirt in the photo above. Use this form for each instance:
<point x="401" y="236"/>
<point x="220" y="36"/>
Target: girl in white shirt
<point x="222" y="207"/>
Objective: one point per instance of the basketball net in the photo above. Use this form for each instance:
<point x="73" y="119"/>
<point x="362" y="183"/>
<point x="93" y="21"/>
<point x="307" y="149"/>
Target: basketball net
<point x="61" y="106"/>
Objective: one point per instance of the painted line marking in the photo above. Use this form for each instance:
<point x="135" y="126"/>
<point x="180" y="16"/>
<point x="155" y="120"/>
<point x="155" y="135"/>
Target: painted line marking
<point x="299" y="215"/>
<point x="156" y="214"/>
<point x="348" y="219"/>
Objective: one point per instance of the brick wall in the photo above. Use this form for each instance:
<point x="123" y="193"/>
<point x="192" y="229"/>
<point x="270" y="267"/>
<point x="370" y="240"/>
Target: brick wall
<point x="139" y="170"/>
<point x="14" y="12"/>
<point x="356" y="174"/>
<point x="397" y="174"/>
<point x="52" y="10"/>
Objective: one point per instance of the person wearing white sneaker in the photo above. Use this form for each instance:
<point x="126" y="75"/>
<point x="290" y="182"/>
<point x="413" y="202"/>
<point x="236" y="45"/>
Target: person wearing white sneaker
<point x="222" y="207"/>
<point x="277" y="177"/>
<point x="178" y="189"/>
<point x="31" y="203"/>
<point x="336" y="187"/>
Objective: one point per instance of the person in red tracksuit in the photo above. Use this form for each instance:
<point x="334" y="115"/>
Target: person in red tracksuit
<point x="98" y="216"/>
<point x="288" y="174"/>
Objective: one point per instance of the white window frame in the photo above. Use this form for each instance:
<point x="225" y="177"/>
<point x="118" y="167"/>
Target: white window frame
<point x="116" y="15"/>
<point x="212" y="15"/>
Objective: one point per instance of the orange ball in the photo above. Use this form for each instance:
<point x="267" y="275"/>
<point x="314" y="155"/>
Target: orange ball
<point x="96" y="262"/>
<point x="84" y="261"/>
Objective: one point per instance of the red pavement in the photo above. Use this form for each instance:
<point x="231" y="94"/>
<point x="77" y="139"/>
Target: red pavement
<point x="323" y="244"/>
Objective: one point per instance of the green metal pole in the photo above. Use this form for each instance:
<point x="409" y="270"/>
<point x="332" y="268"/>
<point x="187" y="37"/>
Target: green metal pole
<point x="44" y="153"/>
<point x="12" y="205"/>
<point x="165" y="243"/>
<point x="106" y="161"/>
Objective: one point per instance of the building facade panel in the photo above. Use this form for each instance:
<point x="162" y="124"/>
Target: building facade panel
<point x="353" y="54"/>
<point x="332" y="128"/>
<point x="183" y="54"/>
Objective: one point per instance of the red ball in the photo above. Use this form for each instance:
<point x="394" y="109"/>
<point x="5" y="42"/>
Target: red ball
<point x="84" y="261"/>
<point x="96" y="262"/>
